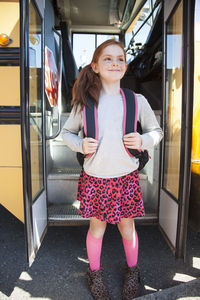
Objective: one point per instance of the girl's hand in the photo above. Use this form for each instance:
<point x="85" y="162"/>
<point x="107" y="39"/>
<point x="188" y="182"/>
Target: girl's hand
<point x="89" y="145"/>
<point x="133" y="140"/>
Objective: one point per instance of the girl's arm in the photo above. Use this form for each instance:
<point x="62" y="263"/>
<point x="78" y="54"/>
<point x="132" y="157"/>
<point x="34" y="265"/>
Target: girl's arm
<point x="152" y="133"/>
<point x="71" y="129"/>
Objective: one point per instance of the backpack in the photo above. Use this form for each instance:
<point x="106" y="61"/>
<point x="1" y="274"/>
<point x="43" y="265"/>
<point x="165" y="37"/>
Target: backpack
<point x="130" y="124"/>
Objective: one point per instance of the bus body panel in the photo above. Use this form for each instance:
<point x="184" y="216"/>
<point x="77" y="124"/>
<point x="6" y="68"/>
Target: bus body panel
<point x="11" y="186"/>
<point x="10" y="150"/>
<point x="10" y="21"/>
<point x="10" y="86"/>
<point x="11" y="191"/>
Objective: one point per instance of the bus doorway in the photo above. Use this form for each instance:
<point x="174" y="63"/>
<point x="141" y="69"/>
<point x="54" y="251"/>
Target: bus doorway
<point x="64" y="169"/>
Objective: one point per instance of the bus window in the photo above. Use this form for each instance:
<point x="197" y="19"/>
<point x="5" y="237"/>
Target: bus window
<point x="103" y="37"/>
<point x="83" y="48"/>
<point x="84" y="45"/>
<point x="139" y="30"/>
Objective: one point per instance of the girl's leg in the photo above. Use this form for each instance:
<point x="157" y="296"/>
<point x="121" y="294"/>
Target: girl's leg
<point x="94" y="273"/>
<point x="130" y="240"/>
<point x="94" y="242"/>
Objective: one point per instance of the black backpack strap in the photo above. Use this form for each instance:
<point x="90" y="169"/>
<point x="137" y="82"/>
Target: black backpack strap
<point x="130" y="124"/>
<point x="130" y="111"/>
<point x="90" y="119"/>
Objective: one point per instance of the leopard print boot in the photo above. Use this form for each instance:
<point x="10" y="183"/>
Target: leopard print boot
<point x="131" y="283"/>
<point x="97" y="285"/>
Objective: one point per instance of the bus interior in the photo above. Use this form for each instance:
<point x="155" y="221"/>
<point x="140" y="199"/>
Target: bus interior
<point x="144" y="76"/>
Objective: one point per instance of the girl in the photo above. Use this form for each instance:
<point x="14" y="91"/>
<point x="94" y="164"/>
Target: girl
<point x="109" y="188"/>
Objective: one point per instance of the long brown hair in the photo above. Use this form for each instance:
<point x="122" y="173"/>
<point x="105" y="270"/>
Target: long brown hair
<point x="88" y="83"/>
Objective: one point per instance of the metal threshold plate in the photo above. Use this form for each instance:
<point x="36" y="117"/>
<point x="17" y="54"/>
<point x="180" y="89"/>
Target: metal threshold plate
<point x="67" y="215"/>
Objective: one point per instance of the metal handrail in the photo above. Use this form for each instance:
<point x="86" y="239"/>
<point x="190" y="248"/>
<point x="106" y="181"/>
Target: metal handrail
<point x="35" y="123"/>
<point x="145" y="21"/>
<point x="51" y="137"/>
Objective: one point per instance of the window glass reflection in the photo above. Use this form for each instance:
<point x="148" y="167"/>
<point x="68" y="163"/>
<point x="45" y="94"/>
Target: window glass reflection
<point x="84" y="45"/>
<point x="103" y="37"/>
<point x="135" y="39"/>
<point x="173" y="109"/>
<point x="35" y="100"/>
<point x="83" y="48"/>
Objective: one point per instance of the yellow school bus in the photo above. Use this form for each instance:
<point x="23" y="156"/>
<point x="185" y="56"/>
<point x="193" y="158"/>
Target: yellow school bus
<point x="43" y="45"/>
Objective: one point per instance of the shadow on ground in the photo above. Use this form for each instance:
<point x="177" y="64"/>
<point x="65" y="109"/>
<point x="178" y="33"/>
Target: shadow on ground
<point x="58" y="272"/>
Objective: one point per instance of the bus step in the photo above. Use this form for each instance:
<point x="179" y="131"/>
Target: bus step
<point x="62" y="184"/>
<point x="64" y="173"/>
<point x="65" y="214"/>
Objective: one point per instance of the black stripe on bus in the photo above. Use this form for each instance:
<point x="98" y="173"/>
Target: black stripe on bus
<point x="10" y="56"/>
<point x="10" y="115"/>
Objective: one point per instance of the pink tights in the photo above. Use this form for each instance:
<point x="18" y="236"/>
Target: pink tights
<point x="131" y="250"/>
<point x="94" y="246"/>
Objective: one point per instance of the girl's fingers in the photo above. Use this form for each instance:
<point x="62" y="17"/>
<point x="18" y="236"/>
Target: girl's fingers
<point x="92" y="148"/>
<point x="132" y="140"/>
<point x="132" y="147"/>
<point x="89" y="145"/>
<point x="131" y="135"/>
<point x="91" y="140"/>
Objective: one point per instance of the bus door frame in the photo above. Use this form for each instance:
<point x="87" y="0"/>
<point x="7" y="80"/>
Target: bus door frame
<point x="179" y="231"/>
<point x="35" y="213"/>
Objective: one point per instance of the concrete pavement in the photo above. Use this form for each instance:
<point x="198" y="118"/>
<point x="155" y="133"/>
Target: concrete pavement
<point x="58" y="272"/>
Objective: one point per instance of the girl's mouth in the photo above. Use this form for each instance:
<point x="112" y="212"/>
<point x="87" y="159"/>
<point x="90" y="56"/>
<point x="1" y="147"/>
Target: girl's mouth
<point x="114" y="70"/>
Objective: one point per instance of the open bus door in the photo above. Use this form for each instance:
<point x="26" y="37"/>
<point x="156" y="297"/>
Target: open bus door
<point x="177" y="123"/>
<point x="33" y="125"/>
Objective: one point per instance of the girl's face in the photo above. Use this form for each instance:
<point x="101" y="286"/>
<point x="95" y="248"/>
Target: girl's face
<point x="111" y="65"/>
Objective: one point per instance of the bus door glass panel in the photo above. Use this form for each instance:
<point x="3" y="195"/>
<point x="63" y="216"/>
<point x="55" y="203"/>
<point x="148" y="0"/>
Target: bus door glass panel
<point x="169" y="194"/>
<point x="173" y="105"/>
<point x="194" y="204"/>
<point x="38" y="204"/>
<point x="35" y="98"/>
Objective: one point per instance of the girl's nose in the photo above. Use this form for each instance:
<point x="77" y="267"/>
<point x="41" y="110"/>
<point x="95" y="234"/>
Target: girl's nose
<point x="115" y="62"/>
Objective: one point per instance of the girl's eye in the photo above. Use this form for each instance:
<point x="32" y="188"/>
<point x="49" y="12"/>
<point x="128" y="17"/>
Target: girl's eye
<point x="121" y="59"/>
<point x="107" y="58"/>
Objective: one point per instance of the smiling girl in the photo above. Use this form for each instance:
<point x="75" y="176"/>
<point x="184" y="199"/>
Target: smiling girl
<point x="109" y="189"/>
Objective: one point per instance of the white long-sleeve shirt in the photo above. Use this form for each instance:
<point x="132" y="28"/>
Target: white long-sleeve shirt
<point x="111" y="158"/>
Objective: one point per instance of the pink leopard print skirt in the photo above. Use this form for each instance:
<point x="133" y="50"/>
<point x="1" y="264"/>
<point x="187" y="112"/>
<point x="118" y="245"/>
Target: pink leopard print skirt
<point x="110" y="199"/>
